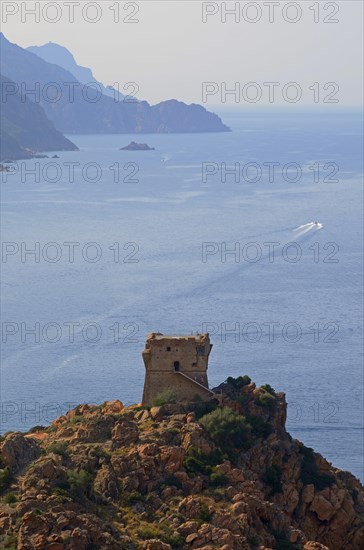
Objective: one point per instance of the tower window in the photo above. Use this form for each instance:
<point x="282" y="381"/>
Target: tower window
<point x="168" y="348"/>
<point x="200" y="350"/>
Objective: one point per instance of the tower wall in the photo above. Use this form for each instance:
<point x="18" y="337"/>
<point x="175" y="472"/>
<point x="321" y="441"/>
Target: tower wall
<point x="171" y="362"/>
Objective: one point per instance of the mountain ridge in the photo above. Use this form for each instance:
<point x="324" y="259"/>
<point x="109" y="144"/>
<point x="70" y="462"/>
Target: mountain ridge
<point x="61" y="56"/>
<point x="73" y="112"/>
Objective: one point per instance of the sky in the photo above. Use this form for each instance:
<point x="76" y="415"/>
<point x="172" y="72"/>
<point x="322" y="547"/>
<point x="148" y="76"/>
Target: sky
<point x="186" y="50"/>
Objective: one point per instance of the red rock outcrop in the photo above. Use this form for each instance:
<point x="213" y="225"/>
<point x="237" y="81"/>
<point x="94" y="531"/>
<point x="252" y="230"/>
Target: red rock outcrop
<point x="111" y="477"/>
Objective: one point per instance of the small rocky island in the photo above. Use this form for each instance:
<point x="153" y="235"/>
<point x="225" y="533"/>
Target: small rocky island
<point x="4" y="168"/>
<point x="134" y="146"/>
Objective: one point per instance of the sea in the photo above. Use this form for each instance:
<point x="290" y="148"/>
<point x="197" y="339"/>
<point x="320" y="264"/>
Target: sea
<point x="254" y="236"/>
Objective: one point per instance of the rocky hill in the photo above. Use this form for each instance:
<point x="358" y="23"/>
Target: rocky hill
<point x="176" y="476"/>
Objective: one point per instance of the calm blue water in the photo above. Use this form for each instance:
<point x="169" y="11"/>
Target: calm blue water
<point x="161" y="282"/>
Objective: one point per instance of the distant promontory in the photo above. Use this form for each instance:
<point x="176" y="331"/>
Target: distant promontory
<point x="79" y="108"/>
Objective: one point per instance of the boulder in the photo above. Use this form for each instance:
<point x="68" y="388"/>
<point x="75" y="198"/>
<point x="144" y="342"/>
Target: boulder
<point x="125" y="432"/>
<point x="308" y="493"/>
<point x="312" y="545"/>
<point x="155" y="544"/>
<point x="105" y="483"/>
<point x="18" y="451"/>
<point x="322" y="508"/>
<point x="171" y="458"/>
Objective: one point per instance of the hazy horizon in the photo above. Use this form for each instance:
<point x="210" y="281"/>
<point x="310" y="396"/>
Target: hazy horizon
<point x="166" y="62"/>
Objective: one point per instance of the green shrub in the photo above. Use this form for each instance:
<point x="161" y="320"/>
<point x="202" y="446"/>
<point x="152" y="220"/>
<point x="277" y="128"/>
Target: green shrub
<point x="58" y="448"/>
<point x="194" y="466"/>
<point x="283" y="543"/>
<point x="11" y="543"/>
<point x="78" y="484"/>
<point x="141" y="408"/>
<point x="163" y="533"/>
<point x="266" y="400"/>
<point x="173" y="481"/>
<point x="100" y="452"/>
<point x="77" y="419"/>
<point x="196" y="462"/>
<point x="164" y="397"/>
<point x="218" y="479"/>
<point x="5" y="479"/>
<point x="174" y="539"/>
<point x="61" y="492"/>
<point x="273" y="478"/>
<point x="239" y="382"/>
<point x="133" y="497"/>
<point x="205" y="514"/>
<point x="227" y="429"/>
<point x="150" y="498"/>
<point x="269" y="389"/>
<point x="172" y="431"/>
<point x="200" y="407"/>
<point x="260" y="427"/>
<point x="310" y="473"/>
<point x="286" y="545"/>
<point x="10" y="498"/>
<point x="242" y="400"/>
<point x="253" y="541"/>
<point x="150" y="532"/>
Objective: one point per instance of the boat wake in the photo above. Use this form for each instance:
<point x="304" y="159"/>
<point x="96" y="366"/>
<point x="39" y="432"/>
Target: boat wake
<point x="306" y="227"/>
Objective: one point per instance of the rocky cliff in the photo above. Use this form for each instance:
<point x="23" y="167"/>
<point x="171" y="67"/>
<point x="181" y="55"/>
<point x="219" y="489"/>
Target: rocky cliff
<point x="176" y="476"/>
<point x="25" y="129"/>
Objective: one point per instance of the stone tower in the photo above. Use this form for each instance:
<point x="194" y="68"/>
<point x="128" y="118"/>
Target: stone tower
<point x="177" y="363"/>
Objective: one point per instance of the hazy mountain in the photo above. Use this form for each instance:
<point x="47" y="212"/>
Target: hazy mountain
<point x="59" y="55"/>
<point x="10" y="148"/>
<point x="73" y="108"/>
<point x="25" y="129"/>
